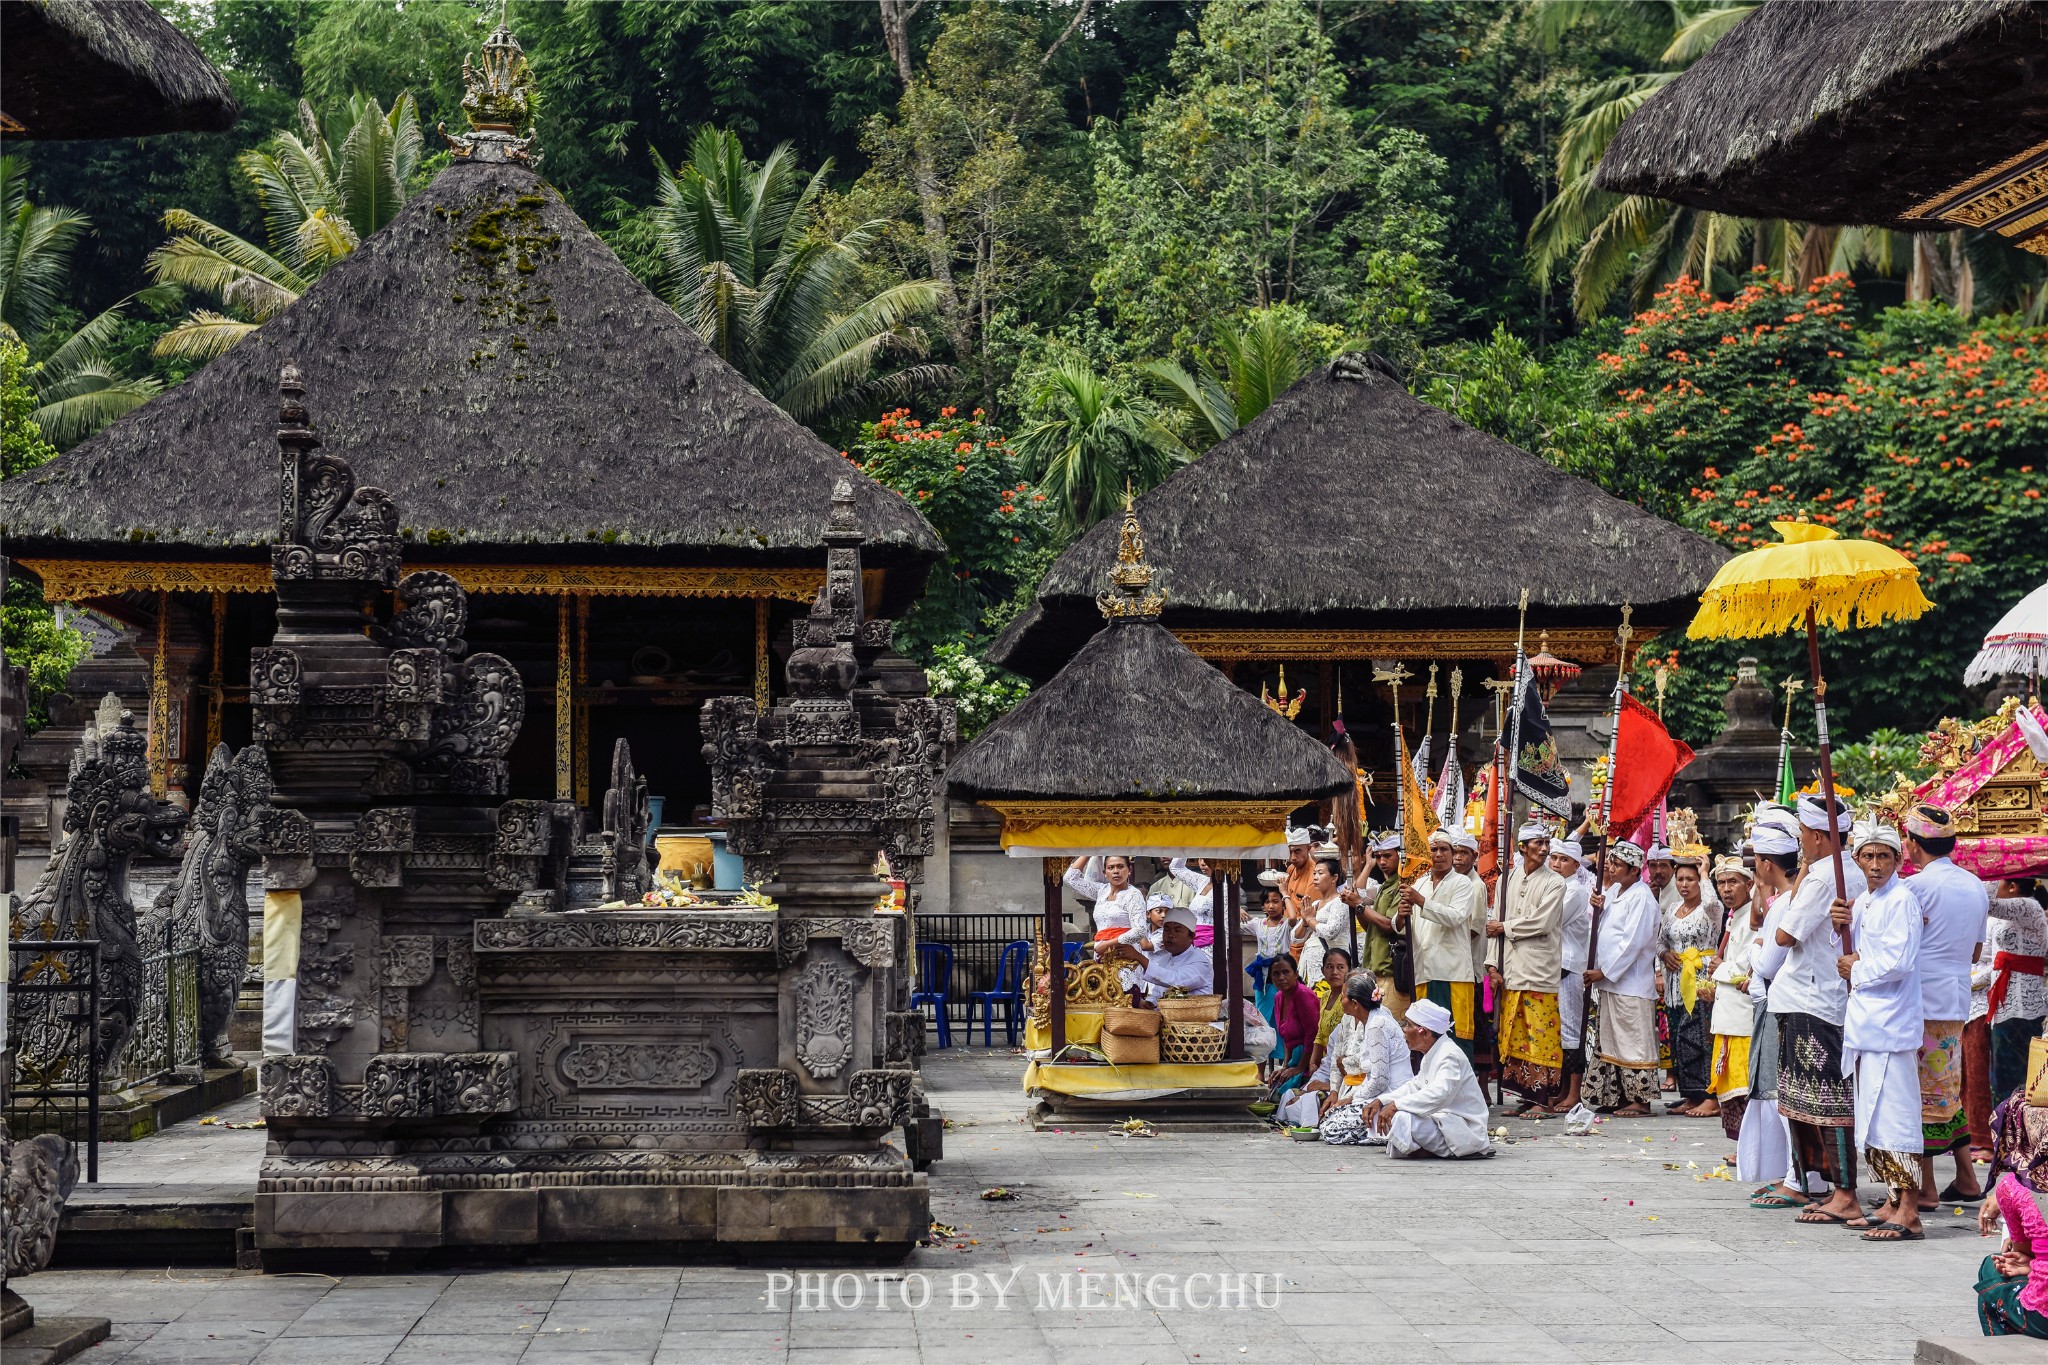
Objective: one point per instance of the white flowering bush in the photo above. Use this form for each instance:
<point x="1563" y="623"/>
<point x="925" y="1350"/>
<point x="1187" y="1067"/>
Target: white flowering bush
<point x="979" y="692"/>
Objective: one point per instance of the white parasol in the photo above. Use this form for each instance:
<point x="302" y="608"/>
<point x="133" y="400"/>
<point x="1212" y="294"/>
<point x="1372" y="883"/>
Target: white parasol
<point x="2017" y="644"/>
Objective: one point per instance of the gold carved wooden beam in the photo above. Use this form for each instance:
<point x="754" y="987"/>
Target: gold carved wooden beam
<point x="2010" y="199"/>
<point x="1581" y="644"/>
<point x="75" y="580"/>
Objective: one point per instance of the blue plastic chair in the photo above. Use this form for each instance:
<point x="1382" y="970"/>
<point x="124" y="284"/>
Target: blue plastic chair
<point x="1008" y="992"/>
<point x="1073" y="951"/>
<point x="935" y="985"/>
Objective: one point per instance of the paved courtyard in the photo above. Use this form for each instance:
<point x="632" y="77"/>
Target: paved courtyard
<point x="1608" y="1248"/>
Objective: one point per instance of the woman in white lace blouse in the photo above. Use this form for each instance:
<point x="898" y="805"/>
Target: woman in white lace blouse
<point x="1367" y="1057"/>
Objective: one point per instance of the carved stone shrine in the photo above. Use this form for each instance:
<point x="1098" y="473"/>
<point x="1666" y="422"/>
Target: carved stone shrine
<point x="471" y="1055"/>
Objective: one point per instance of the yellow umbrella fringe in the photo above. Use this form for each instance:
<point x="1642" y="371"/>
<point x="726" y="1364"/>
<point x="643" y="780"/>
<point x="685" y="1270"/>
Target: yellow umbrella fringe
<point x="1743" y="610"/>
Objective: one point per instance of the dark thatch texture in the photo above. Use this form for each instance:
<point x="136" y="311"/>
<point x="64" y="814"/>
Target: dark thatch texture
<point x="1349" y="504"/>
<point x="487" y="361"/>
<point x="1842" y="111"/>
<point x="1134" y="716"/>
<point x="104" y="68"/>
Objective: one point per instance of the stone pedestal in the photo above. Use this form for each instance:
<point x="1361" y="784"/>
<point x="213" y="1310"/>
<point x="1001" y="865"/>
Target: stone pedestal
<point x="1741" y="766"/>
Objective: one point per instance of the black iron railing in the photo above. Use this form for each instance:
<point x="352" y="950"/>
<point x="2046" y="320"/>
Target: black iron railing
<point x="977" y="941"/>
<point x="53" y="991"/>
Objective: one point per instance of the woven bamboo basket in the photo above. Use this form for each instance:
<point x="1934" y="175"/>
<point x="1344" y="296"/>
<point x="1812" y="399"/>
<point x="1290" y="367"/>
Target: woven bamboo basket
<point x="1191" y="1043"/>
<point x="1191" y="1009"/>
<point x="1122" y="1049"/>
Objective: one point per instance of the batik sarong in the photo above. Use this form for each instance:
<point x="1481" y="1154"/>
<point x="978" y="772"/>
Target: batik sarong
<point x="1811" y="1086"/>
<point x="1943" y="1124"/>
<point x="1999" y="1310"/>
<point x="1623" y="1070"/>
<point x="1345" y="1127"/>
<point x="1532" y="1054"/>
<point x="1691" y="1050"/>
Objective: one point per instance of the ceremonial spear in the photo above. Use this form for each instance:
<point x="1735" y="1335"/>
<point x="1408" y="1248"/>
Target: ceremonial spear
<point x="1623" y="633"/>
<point x="1393" y="677"/>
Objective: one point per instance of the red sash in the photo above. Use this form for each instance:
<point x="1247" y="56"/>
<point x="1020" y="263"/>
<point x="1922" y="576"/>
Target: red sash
<point x="2004" y="965"/>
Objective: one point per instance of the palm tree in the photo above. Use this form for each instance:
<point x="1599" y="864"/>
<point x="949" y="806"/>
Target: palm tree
<point x="323" y="190"/>
<point x="744" y="263"/>
<point x="77" y="388"/>
<point x="1095" y="441"/>
<point x="35" y="252"/>
<point x="1261" y="359"/>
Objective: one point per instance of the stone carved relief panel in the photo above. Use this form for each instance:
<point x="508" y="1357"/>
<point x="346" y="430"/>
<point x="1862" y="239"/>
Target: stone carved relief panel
<point x="824" y="1018"/>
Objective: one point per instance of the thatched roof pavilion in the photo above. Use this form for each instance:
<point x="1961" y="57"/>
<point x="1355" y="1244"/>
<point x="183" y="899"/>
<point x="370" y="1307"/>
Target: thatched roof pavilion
<point x="103" y="68"/>
<point x="1141" y="731"/>
<point x="1353" y="524"/>
<point x="1912" y="116"/>
<point x="636" y="524"/>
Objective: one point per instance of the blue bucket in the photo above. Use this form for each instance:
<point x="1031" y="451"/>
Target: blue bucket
<point x="728" y="870"/>
<point x="654" y="805"/>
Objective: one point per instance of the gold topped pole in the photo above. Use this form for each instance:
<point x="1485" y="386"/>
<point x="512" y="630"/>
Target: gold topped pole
<point x="1429" y="713"/>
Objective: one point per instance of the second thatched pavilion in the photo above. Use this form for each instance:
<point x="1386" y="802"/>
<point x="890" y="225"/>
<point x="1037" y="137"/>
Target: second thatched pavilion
<point x="1352" y="525"/>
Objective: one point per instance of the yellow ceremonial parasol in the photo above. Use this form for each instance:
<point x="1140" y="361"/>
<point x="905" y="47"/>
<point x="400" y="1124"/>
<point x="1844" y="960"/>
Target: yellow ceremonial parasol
<point x="1812" y="576"/>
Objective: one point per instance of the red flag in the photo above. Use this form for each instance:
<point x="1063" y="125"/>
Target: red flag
<point x="1489" y="827"/>
<point x="1646" y="759"/>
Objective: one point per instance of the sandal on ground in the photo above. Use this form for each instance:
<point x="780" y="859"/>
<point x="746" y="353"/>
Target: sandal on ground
<point x="1894" y="1232"/>
<point x="1766" y="1199"/>
<point x="1953" y="1196"/>
<point x="1815" y="1217"/>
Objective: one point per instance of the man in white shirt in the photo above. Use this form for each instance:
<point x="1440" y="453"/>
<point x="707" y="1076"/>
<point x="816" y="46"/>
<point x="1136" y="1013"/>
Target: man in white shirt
<point x="1442" y="1112"/>
<point x="1449" y="918"/>
<point x="1530" y="932"/>
<point x="1567" y="858"/>
<point x="1622" y="1076"/>
<point x="1176" y="962"/>
<point x="1955" y="910"/>
<point x="1810" y="1000"/>
<point x="1881" y="1031"/>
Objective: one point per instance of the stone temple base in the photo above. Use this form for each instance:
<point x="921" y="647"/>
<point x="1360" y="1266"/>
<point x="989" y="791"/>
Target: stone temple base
<point x="867" y="1207"/>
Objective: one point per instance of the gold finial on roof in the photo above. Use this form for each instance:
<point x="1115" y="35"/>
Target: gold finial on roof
<point x="1283" y="705"/>
<point x="1134" y="597"/>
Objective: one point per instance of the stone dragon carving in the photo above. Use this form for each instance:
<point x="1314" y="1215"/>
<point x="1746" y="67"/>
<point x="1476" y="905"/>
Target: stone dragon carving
<point x="83" y="894"/>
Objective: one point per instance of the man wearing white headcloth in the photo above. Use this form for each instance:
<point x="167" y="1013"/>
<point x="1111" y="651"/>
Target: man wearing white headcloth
<point x="1955" y="914"/>
<point x="1881" y="1031"/>
<point x="1176" y="962"/>
<point x="1567" y="860"/>
<point x="1448" y="920"/>
<point x="1442" y="1112"/>
<point x="1810" y="1001"/>
<point x="1622" y="1076"/>
<point x="1377" y="944"/>
<point x="1764" y="1141"/>
<point x="1531" y="936"/>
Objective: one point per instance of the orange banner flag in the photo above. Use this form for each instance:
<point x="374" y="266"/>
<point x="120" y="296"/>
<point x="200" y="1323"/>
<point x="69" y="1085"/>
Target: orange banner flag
<point x="1418" y="821"/>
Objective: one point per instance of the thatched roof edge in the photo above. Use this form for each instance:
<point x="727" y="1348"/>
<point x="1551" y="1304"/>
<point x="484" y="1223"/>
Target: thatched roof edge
<point x="105" y="68"/>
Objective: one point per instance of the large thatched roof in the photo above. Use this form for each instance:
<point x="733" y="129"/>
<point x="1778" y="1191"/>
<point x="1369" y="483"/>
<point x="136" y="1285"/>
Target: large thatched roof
<point x="1843" y="111"/>
<point x="1351" y="504"/>
<point x="1136" y="716"/>
<point x="489" y="362"/>
<point x="104" y="68"/>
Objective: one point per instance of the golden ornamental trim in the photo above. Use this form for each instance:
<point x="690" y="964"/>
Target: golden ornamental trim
<point x="1584" y="644"/>
<point x="74" y="580"/>
<point x="2010" y="198"/>
<point x="1020" y="817"/>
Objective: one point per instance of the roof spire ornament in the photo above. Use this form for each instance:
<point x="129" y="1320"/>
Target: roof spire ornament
<point x="498" y="100"/>
<point x="1134" y="598"/>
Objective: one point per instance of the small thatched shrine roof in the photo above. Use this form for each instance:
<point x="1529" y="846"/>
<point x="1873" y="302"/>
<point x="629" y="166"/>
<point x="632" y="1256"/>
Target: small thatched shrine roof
<point x="103" y="68"/>
<point x="1852" y="111"/>
<point x="1348" y="503"/>
<point x="1136" y="716"/>
<point x="487" y="361"/>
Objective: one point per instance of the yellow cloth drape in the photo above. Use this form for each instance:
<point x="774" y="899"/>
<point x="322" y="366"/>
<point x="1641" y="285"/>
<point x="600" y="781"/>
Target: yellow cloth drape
<point x="1689" y="978"/>
<point x="1083" y="1026"/>
<point x="1112" y="1080"/>
<point x="282" y="913"/>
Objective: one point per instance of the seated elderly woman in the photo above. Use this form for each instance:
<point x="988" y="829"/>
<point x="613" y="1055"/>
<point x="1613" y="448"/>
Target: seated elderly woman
<point x="2012" y="1283"/>
<point x="1442" y="1112"/>
<point x="1366" y="1057"/>
<point x="1176" y="962"/>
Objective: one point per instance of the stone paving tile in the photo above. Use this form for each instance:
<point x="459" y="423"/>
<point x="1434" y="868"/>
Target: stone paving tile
<point x="1558" y="1249"/>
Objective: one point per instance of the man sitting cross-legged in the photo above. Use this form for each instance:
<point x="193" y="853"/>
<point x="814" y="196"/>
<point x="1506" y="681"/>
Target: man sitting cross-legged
<point x="1442" y="1112"/>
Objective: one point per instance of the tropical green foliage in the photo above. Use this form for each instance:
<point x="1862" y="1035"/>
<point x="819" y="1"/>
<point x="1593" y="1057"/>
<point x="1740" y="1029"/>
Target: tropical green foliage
<point x="1091" y="440"/>
<point x="742" y="264"/>
<point x="1920" y="430"/>
<point x="30" y="637"/>
<point x="35" y="252"/>
<point x="979" y="692"/>
<point x="1000" y="531"/>
<point x="322" y="188"/>
<point x="1249" y="365"/>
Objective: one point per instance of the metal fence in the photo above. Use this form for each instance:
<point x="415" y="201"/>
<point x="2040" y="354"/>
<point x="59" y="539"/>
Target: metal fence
<point x="53" y="991"/>
<point x="977" y="941"/>
<point x="165" y="1046"/>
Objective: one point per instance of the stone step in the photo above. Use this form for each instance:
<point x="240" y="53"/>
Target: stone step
<point x="112" y="1225"/>
<point x="1981" y="1351"/>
